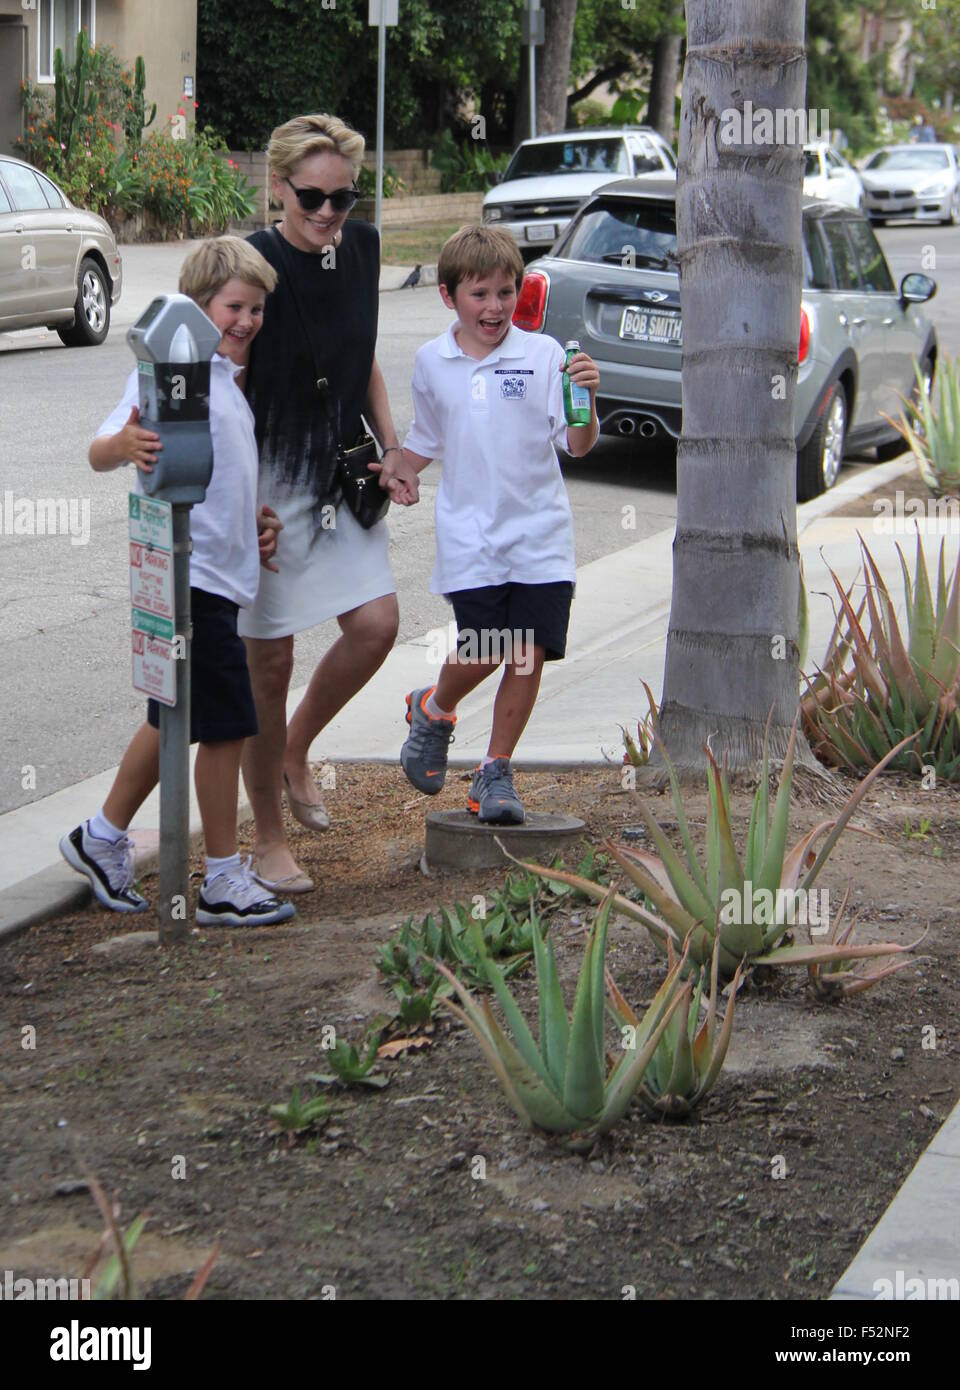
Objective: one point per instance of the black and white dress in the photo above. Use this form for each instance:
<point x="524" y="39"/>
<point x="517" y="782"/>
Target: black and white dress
<point x="327" y="563"/>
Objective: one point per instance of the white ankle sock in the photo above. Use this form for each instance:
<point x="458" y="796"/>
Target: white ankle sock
<point x="217" y="866"/>
<point x="103" y="829"/>
<point x="485" y="760"/>
<point x="434" y="710"/>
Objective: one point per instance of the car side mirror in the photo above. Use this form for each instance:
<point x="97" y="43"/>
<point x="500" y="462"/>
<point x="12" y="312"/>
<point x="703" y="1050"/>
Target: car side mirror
<point x="917" y="289"/>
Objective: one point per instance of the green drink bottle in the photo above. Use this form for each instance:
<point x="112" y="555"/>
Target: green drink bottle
<point x="576" y="399"/>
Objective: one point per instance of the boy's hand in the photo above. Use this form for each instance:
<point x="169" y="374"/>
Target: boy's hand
<point x="584" y="371"/>
<point x="399" y="478"/>
<point x="269" y="527"/>
<point x="138" y="445"/>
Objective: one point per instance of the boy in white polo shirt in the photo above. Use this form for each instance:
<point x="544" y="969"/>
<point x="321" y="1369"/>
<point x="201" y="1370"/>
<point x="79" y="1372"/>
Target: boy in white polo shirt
<point x="488" y="397"/>
<point x="230" y="280"/>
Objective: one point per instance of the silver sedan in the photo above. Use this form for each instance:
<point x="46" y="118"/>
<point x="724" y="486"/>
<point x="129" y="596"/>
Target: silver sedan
<point x="59" y="265"/>
<point x="917" y="181"/>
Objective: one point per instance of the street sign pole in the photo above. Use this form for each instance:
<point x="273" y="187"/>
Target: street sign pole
<point x="381" y="102"/>
<point x="382" y="13"/>
<point x="174" y="866"/>
<point x="532" y="35"/>
<point x="533" y="92"/>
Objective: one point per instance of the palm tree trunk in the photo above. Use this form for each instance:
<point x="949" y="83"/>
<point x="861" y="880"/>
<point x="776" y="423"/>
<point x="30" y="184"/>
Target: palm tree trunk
<point x="553" y="65"/>
<point x="732" y="642"/>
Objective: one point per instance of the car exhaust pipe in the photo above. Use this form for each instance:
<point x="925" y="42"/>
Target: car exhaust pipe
<point x="647" y="428"/>
<point x="627" y="425"/>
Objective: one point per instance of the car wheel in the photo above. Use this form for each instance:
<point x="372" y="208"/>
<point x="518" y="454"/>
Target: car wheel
<point x="92" y="309"/>
<point x="818" y="462"/>
<point x="887" y="452"/>
<point x="953" y="217"/>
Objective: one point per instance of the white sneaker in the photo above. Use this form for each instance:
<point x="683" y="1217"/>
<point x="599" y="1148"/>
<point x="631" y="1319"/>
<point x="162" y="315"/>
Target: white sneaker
<point x="108" y="864"/>
<point x="234" y="898"/>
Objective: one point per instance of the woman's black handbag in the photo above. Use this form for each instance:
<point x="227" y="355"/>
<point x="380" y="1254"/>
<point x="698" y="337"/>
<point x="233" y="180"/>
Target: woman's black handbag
<point x="361" y="489"/>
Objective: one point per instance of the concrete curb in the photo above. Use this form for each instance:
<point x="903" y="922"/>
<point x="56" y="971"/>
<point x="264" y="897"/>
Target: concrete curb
<point x="60" y="889"/>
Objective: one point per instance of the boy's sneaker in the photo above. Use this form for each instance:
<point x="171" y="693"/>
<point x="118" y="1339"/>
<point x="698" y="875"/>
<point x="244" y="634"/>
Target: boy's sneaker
<point x="424" y="755"/>
<point x="234" y="898"/>
<point x="108" y="864"/>
<point x="493" y="796"/>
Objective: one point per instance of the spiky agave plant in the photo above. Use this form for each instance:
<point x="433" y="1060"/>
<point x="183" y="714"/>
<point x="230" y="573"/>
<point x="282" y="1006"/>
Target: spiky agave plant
<point x="689" y="1057"/>
<point x="748" y="904"/>
<point x="835" y="979"/>
<point x="934" y="435"/>
<point x="563" y="1085"/>
<point x="874" y="688"/>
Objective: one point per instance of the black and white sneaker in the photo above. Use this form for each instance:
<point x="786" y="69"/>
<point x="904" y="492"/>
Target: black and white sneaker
<point x="234" y="898"/>
<point x="108" y="864"/>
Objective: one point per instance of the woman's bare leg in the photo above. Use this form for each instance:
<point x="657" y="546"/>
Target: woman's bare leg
<point x="366" y="636"/>
<point x="270" y="662"/>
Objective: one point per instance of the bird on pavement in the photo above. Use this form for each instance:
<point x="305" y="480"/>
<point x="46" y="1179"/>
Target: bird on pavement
<point x="413" y="279"/>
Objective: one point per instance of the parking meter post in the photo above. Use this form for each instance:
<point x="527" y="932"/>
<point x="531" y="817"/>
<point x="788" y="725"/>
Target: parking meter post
<point x="174" y="342"/>
<point x="174" y="867"/>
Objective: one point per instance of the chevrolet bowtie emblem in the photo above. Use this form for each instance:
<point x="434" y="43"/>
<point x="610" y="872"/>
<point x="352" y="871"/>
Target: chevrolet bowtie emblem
<point x="541" y="210"/>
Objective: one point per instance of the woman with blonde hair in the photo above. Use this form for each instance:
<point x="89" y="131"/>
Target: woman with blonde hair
<point x="313" y="374"/>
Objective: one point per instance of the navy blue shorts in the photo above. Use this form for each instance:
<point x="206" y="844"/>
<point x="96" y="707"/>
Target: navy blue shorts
<point x="221" y="697"/>
<point x="502" y="617"/>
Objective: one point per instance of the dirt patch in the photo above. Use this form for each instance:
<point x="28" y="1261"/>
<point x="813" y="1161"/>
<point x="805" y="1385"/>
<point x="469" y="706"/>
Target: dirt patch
<point x="908" y="485"/>
<point x="151" y="1063"/>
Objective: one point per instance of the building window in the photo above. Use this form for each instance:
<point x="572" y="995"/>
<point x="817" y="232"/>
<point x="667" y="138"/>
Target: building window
<point x="60" y="23"/>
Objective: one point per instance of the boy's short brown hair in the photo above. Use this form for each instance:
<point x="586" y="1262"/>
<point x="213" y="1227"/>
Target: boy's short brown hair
<point x="476" y="251"/>
<point x="221" y="258"/>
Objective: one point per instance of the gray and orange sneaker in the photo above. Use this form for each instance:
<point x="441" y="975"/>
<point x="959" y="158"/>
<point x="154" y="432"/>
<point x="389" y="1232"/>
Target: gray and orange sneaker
<point x="493" y="797"/>
<point x="423" y="756"/>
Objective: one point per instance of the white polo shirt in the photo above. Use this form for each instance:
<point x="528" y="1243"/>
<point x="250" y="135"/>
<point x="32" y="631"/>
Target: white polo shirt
<point x="223" y="527"/>
<point x="502" y="510"/>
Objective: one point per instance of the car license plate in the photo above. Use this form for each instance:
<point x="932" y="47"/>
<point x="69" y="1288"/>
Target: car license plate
<point x="541" y="231"/>
<point x="661" y="327"/>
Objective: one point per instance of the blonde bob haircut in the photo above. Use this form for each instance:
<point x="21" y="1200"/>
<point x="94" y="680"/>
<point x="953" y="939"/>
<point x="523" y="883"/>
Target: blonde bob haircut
<point x="218" y="259"/>
<point x="476" y="251"/>
<point x="292" y="143"/>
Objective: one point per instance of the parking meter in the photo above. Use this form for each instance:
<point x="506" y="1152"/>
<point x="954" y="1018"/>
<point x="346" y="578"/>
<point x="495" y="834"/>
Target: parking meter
<point x="173" y="341"/>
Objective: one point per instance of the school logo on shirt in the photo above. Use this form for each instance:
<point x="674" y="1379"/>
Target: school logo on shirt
<point x="512" y="388"/>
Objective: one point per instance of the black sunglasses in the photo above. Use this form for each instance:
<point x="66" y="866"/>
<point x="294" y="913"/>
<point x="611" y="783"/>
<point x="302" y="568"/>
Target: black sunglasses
<point x="341" y="199"/>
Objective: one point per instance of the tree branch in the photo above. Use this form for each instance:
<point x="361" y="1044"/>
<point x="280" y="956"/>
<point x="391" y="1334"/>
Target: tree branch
<point x="608" y="74"/>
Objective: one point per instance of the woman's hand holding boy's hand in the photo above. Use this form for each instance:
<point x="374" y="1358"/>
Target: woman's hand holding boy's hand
<point x="399" y="477"/>
<point x="136" y="444"/>
<point x="269" y="527"/>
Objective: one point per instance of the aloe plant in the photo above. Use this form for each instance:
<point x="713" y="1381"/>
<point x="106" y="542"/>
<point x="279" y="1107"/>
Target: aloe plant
<point x="638" y="750"/>
<point x="934" y="435"/>
<point x="874" y="690"/>
<point x="562" y="1084"/>
<point x="349" y="1067"/>
<point x="690" y="1055"/>
<point x="685" y="903"/>
<point x="299" y="1114"/>
<point x="834" y="979"/>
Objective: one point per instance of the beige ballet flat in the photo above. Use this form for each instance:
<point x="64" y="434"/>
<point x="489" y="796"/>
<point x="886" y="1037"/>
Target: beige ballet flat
<point x="293" y="883"/>
<point x="313" y="816"/>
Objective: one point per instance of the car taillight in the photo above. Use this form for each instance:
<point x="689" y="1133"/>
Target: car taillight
<point x="532" y="302"/>
<point x="804" y="337"/>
